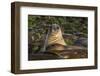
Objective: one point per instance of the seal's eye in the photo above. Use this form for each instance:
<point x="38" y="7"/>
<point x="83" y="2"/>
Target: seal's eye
<point x="57" y="27"/>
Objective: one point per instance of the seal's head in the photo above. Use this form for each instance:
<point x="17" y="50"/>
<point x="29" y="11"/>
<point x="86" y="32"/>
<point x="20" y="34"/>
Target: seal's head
<point x="55" y="28"/>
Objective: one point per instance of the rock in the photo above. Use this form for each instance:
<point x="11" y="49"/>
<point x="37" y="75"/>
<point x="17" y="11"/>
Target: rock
<point x="81" y="42"/>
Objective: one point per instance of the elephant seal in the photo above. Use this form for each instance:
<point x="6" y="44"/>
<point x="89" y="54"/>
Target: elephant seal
<point x="56" y="41"/>
<point x="55" y="36"/>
